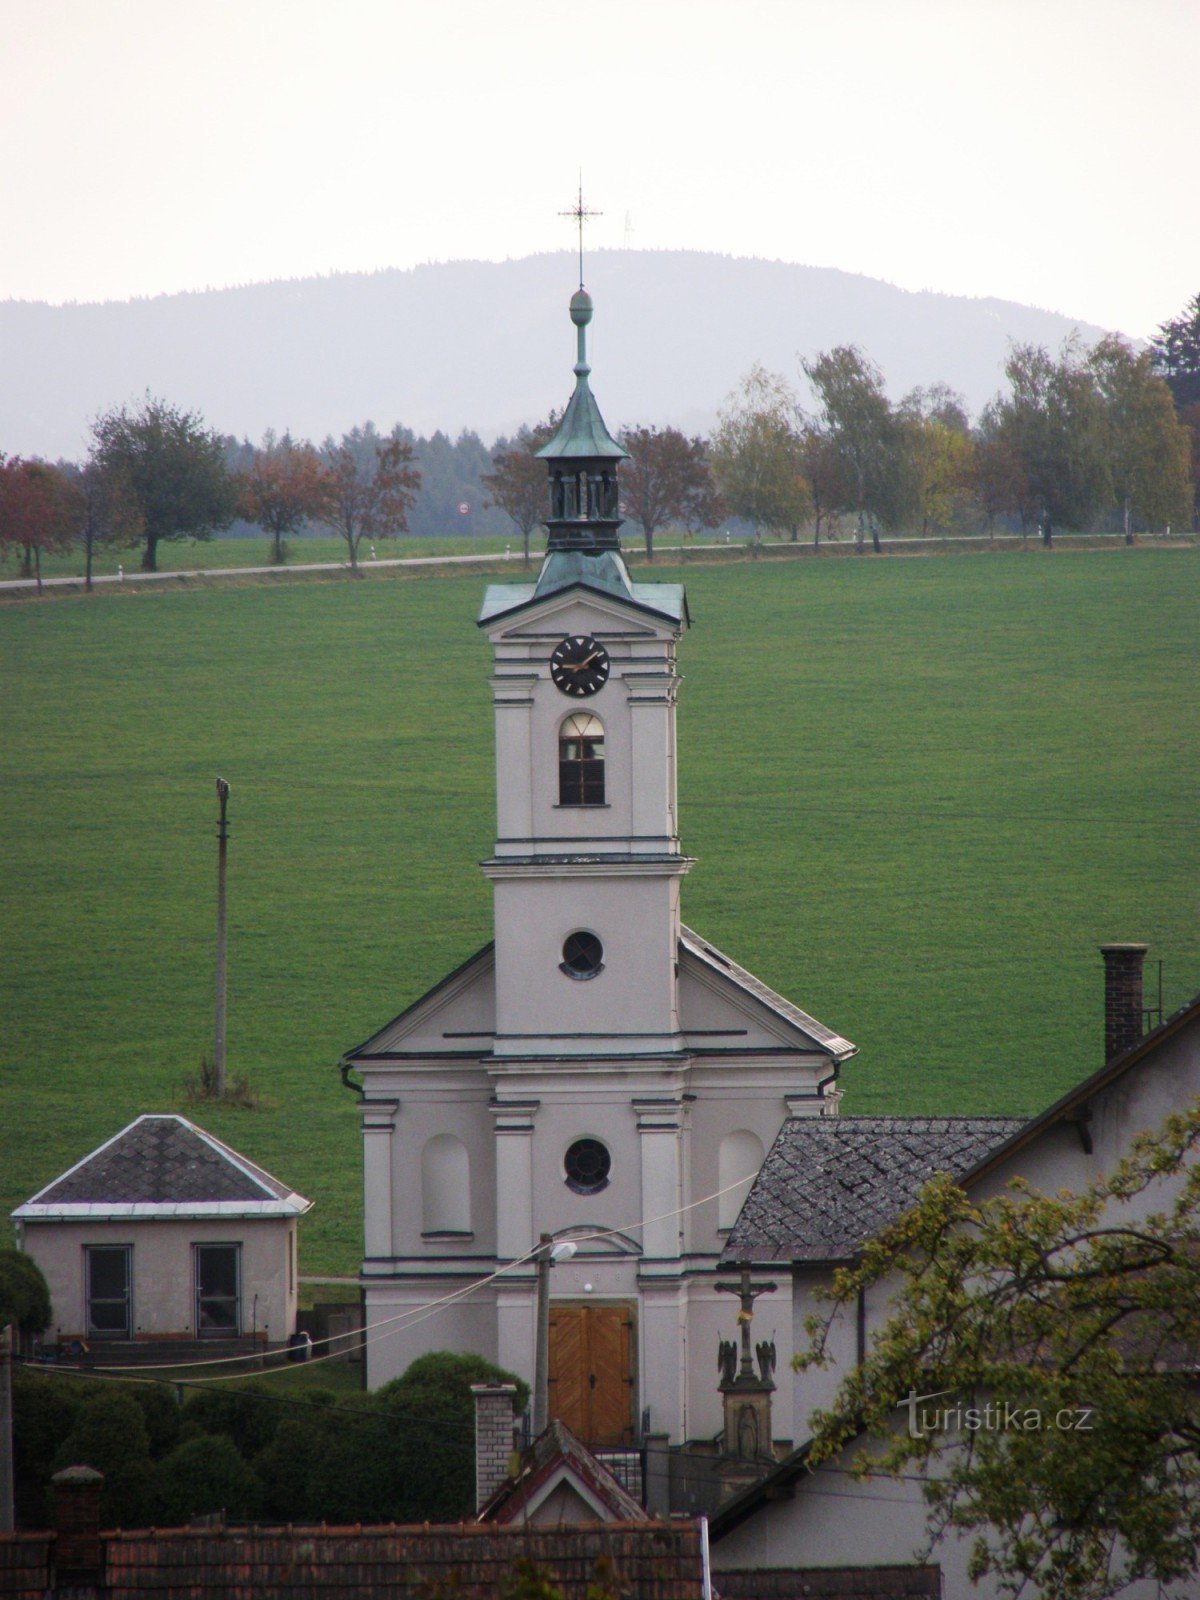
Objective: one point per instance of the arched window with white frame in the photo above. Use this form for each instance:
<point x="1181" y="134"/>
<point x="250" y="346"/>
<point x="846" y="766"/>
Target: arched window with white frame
<point x="445" y="1186"/>
<point x="581" y="761"/>
<point x="739" y="1156"/>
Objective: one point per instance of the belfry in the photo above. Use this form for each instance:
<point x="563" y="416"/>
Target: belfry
<point x="597" y="1072"/>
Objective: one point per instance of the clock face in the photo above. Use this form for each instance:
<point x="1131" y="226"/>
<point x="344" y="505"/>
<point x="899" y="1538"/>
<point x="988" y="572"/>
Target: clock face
<point x="579" y="666"/>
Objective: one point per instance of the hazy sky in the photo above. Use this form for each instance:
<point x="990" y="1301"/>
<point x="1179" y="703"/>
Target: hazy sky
<point x="1038" y="150"/>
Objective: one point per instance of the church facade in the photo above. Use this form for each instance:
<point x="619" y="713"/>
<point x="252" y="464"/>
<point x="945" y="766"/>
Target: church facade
<point x="598" y="1072"/>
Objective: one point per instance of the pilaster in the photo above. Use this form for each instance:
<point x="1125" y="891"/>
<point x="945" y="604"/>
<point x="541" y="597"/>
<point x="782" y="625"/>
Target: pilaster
<point x="379" y="1128"/>
<point x="513" y="1123"/>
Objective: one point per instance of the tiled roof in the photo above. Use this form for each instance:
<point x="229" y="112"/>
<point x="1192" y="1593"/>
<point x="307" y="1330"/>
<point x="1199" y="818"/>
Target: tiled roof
<point x="831" y="1183"/>
<point x="641" y="1561"/>
<point x="554" y="1452"/>
<point x="163" y="1166"/>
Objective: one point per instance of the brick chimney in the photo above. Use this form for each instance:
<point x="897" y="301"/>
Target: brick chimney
<point x="1122" y="996"/>
<point x="494" y="1437"/>
<point x="77" y="1520"/>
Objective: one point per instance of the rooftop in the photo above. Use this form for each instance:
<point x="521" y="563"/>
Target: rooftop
<point x="831" y="1183"/>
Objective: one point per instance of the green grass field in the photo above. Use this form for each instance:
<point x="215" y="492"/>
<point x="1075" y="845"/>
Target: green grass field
<point x="921" y="792"/>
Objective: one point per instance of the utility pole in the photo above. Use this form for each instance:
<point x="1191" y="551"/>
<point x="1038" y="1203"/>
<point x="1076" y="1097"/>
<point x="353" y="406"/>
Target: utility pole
<point x="219" y="1032"/>
<point x="547" y="1254"/>
<point x="7" y="1517"/>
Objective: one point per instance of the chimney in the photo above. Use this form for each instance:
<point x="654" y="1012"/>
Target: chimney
<point x="494" y="1437"/>
<point x="1122" y="996"/>
<point x="77" y="1520"/>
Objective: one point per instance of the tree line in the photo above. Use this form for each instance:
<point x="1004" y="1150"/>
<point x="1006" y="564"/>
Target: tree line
<point x="1106" y="437"/>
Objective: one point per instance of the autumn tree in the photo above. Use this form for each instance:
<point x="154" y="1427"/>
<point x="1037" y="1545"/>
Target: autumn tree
<point x="937" y="438"/>
<point x="518" y="481"/>
<point x="102" y="510"/>
<point x="1074" y="1311"/>
<point x="666" y="480"/>
<point x="282" y="488"/>
<point x="1147" y="447"/>
<point x="369" y="487"/>
<point x="36" y="512"/>
<point x="1052" y="421"/>
<point x="856" y="416"/>
<point x="757" y="455"/>
<point x="174" y="470"/>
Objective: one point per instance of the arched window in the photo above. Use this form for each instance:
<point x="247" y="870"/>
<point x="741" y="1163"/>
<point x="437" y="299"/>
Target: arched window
<point x="581" y="761"/>
<point x="738" y="1158"/>
<point x="445" y="1186"/>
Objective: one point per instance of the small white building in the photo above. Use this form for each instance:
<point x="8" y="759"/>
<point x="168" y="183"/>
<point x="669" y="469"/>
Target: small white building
<point x="598" y="1073"/>
<point x="165" y="1232"/>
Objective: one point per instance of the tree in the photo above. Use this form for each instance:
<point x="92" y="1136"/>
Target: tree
<point x="758" y="455"/>
<point x="1148" y="448"/>
<point x="282" y="488"/>
<point x="102" y="510"/>
<point x="857" y="417"/>
<point x="1081" y="1315"/>
<point x="24" y="1295"/>
<point x="206" y="1475"/>
<point x="665" y="480"/>
<point x="36" y="511"/>
<point x="1175" y="352"/>
<point x="369" y="487"/>
<point x="174" y="470"/>
<point x="941" y="453"/>
<point x="518" y="481"/>
<point x="1053" y="424"/>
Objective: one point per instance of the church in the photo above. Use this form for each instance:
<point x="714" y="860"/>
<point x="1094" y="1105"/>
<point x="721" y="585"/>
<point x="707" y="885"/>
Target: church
<point x="598" y="1073"/>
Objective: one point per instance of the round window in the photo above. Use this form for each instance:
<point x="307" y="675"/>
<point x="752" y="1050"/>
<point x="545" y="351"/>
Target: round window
<point x="587" y="1165"/>
<point x="583" y="955"/>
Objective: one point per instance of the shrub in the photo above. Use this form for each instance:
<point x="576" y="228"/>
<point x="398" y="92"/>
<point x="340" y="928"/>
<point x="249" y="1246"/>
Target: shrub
<point x="204" y="1476"/>
<point x="24" y="1294"/>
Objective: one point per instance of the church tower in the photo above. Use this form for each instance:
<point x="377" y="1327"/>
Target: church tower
<point x="598" y="1072"/>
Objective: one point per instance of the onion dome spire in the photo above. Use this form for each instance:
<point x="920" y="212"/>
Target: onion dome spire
<point x="582" y="459"/>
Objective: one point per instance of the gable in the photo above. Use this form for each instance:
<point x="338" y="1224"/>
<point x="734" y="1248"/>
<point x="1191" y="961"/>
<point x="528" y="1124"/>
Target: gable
<point x="580" y="608"/>
<point x="456" y="1017"/>
<point x="723" y="1006"/>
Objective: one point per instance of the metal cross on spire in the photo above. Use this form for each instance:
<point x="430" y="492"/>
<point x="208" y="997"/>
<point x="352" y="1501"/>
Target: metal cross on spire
<point x="581" y="213"/>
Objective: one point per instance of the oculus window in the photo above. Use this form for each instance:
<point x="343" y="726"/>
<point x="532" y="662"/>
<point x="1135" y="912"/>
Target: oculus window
<point x="583" y="955"/>
<point x="586" y="1166"/>
<point x="581" y="761"/>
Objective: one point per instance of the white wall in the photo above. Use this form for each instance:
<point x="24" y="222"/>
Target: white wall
<point x="163" y="1284"/>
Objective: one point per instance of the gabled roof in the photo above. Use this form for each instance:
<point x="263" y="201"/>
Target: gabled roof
<point x="715" y="961"/>
<point x="831" y="1183"/>
<point x="163" y="1166"/>
<point x="384" y="1040"/>
<point x="1069" y="1105"/>
<point x="555" y="1457"/>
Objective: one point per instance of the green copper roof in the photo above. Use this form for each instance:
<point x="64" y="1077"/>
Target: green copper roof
<point x="582" y="434"/>
<point x="602" y="573"/>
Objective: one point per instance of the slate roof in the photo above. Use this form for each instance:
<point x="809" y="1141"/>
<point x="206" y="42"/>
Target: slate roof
<point x="163" y="1166"/>
<point x="831" y="1183"/>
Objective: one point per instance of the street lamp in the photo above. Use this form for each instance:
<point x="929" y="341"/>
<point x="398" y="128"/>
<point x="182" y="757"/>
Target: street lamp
<point x="547" y="1254"/>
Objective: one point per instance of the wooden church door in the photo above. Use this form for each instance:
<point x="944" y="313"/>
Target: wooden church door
<point x="591" y="1371"/>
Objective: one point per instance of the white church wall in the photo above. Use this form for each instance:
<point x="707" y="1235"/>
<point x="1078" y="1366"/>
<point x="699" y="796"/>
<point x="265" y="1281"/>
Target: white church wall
<point x="403" y="1325"/>
<point x="635" y="919"/>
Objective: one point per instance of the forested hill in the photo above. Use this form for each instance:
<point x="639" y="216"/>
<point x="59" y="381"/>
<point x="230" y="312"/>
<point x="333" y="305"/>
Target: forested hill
<point x="484" y="345"/>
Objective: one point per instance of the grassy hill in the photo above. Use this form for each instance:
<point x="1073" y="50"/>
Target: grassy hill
<point x="921" y="792"/>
